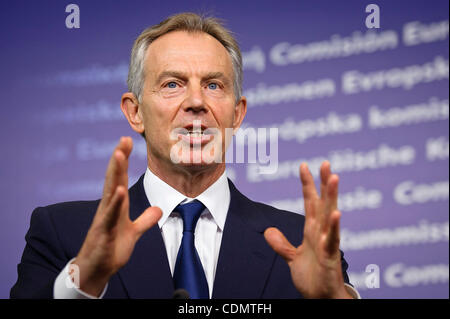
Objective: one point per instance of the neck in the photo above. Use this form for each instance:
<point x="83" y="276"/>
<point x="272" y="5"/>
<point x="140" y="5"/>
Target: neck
<point x="190" y="181"/>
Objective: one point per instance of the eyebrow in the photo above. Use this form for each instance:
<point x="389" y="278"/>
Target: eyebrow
<point x="183" y="76"/>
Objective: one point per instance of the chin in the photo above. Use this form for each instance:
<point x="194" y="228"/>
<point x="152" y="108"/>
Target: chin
<point x="197" y="167"/>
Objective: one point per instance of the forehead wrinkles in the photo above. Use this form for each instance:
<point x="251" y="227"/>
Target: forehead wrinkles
<point x="191" y="66"/>
<point x="193" y="54"/>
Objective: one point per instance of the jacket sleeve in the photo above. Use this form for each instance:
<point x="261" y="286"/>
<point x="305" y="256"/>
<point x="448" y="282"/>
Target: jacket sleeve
<point x="42" y="260"/>
<point x="344" y="269"/>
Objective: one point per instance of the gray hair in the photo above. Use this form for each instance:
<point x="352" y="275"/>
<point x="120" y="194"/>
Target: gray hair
<point x="190" y="22"/>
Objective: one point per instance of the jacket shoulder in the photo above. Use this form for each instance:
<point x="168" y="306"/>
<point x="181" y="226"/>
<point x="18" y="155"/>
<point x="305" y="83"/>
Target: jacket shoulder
<point x="68" y="214"/>
<point x="69" y="220"/>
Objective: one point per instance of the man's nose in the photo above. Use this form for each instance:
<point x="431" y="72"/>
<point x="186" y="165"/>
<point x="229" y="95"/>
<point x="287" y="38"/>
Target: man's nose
<point x="195" y="101"/>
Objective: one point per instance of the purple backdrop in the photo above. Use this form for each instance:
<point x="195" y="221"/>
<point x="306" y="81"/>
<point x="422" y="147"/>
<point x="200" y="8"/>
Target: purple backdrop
<point x="374" y="102"/>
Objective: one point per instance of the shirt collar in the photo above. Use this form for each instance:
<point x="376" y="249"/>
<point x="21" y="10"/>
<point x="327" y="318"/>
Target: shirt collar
<point x="216" y="197"/>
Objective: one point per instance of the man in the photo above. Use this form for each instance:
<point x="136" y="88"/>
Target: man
<point x="185" y="82"/>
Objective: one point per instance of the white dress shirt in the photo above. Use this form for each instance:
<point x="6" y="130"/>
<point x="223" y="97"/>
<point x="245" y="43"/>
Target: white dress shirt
<point x="208" y="231"/>
<point x="209" y="228"/>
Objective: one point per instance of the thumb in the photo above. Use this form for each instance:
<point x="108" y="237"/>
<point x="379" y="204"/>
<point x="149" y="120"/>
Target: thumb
<point x="147" y="220"/>
<point x="280" y="244"/>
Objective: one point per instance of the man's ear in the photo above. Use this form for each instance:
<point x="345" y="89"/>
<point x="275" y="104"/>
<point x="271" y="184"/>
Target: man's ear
<point x="239" y="113"/>
<point x="130" y="107"/>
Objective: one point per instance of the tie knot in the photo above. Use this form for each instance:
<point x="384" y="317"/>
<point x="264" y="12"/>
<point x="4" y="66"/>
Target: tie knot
<point x="190" y="213"/>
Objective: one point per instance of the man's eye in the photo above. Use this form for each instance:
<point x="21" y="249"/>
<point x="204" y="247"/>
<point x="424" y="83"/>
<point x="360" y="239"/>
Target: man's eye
<point x="212" y="86"/>
<point x="172" y="85"/>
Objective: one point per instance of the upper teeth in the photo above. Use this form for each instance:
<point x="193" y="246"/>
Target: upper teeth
<point x="195" y="132"/>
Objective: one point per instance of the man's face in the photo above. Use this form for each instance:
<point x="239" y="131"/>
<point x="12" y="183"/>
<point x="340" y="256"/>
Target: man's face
<point x="187" y="94"/>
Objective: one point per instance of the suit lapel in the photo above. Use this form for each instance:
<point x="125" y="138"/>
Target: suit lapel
<point x="245" y="259"/>
<point x="147" y="273"/>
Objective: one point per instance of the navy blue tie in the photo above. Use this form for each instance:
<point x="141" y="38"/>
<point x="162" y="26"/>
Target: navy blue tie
<point x="188" y="273"/>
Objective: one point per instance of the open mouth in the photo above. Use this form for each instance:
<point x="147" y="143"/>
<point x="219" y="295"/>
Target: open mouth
<point x="195" y="130"/>
<point x="195" y="134"/>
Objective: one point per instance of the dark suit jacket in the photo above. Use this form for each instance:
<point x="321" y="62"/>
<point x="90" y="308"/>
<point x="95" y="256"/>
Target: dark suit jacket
<point x="247" y="266"/>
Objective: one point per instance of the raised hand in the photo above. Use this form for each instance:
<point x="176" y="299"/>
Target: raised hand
<point x="112" y="236"/>
<point x="316" y="264"/>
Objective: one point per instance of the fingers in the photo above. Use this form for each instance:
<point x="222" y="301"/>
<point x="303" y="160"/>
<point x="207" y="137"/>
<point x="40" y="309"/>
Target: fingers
<point x="126" y="145"/>
<point x="331" y="194"/>
<point x="320" y="208"/>
<point x="280" y="244"/>
<point x="147" y="220"/>
<point x="328" y="187"/>
<point x="112" y="211"/>
<point x="308" y="187"/>
<point x="117" y="171"/>
<point x="325" y="173"/>
<point x="310" y="195"/>
<point x="332" y="236"/>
